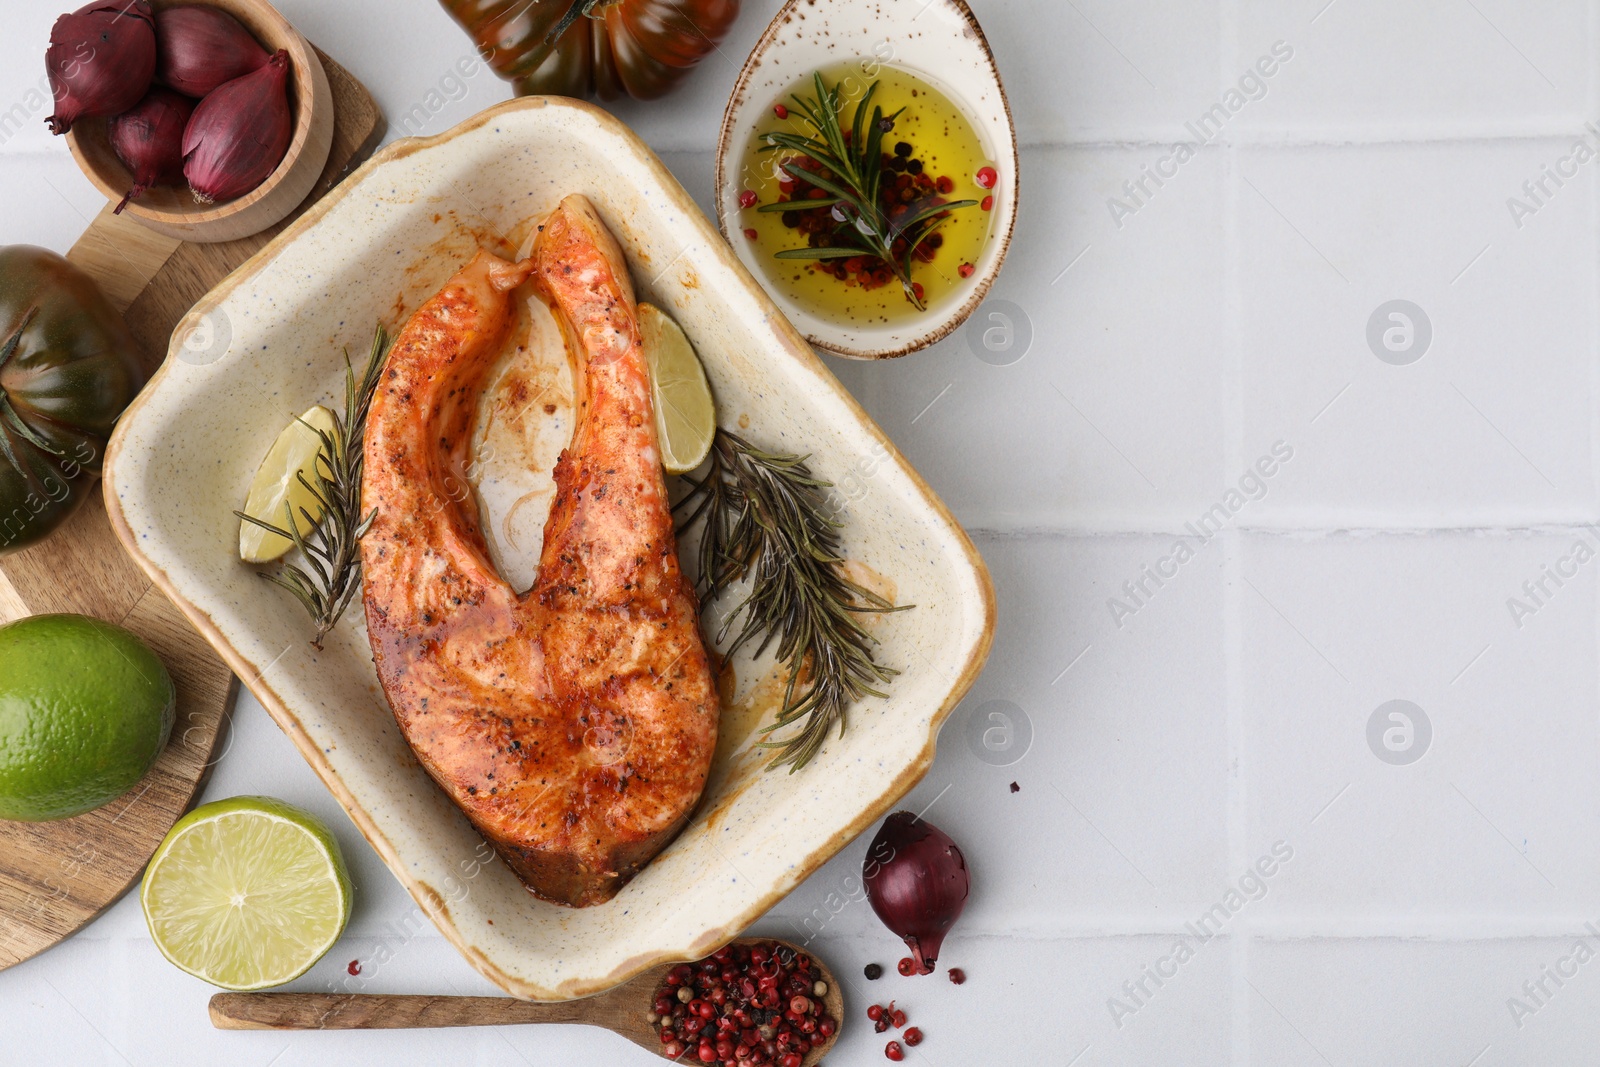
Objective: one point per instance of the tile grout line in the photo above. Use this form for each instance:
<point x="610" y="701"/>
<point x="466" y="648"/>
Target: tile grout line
<point x="1233" y="423"/>
<point x="1592" y="99"/>
<point x="1325" y="531"/>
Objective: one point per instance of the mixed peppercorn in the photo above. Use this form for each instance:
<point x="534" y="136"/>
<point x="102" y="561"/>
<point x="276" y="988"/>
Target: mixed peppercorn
<point x="884" y="1017"/>
<point x="744" y="1005"/>
<point x="907" y="188"/>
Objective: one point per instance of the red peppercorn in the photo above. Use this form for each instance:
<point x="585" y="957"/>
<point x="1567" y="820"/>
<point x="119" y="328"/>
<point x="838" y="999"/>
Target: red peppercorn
<point x="354" y="968"/>
<point x="792" y="1059"/>
<point x="987" y="177"/>
<point x="780" y="111"/>
<point x="965" y="270"/>
<point x="913" y="1036"/>
<point x="898" y="1018"/>
<point x="957" y="975"/>
<point x="875" y="1012"/>
<point x="916" y="287"/>
<point x="894" y="1051"/>
<point x="945" y="185"/>
<point x="750" y="234"/>
<point x="826" y="1026"/>
<point x="707" y="1053"/>
<point x="988" y="203"/>
<point x="908" y="966"/>
<point x="747" y="198"/>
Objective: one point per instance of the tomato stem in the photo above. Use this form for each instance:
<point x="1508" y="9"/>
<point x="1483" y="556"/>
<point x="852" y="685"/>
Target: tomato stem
<point x="579" y="7"/>
<point x="10" y="347"/>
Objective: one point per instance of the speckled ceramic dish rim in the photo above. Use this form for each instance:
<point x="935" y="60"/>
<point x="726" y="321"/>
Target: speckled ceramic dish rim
<point x="427" y="895"/>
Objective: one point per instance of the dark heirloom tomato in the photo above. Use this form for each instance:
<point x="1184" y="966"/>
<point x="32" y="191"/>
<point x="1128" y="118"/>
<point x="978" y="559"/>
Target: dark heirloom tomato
<point x="68" y="366"/>
<point x="594" y="47"/>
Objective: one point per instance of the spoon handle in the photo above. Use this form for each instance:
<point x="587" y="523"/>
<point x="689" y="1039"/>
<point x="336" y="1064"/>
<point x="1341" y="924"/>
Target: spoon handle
<point x="365" y="1011"/>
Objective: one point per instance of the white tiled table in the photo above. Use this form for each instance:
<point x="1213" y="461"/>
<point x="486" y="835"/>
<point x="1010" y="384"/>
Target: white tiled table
<point x="1177" y="738"/>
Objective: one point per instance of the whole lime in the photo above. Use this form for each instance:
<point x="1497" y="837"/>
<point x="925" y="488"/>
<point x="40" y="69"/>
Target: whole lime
<point x="85" y="710"/>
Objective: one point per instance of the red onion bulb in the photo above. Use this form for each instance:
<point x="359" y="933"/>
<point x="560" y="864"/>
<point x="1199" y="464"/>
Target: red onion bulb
<point x="149" y="141"/>
<point x="917" y="882"/>
<point x="239" y="134"/>
<point x="100" y="60"/>
<point x="200" y="48"/>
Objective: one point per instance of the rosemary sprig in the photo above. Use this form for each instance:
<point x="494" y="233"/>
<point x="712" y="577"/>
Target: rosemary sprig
<point x="766" y="515"/>
<point x="855" y="163"/>
<point x="331" y="548"/>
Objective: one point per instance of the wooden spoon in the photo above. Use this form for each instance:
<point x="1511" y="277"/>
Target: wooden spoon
<point x="621" y="1010"/>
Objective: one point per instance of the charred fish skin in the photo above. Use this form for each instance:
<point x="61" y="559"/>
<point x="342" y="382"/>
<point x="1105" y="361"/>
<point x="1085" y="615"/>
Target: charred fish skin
<point x="574" y="724"/>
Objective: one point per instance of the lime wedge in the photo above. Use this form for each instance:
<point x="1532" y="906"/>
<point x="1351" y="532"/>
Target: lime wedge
<point x="246" y="893"/>
<point x="276" y="485"/>
<point x="686" y="416"/>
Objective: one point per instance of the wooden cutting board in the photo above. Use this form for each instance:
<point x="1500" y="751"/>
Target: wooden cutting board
<point x="57" y="876"/>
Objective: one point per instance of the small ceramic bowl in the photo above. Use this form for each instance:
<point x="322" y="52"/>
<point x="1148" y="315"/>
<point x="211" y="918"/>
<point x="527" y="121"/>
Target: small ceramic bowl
<point x="174" y="211"/>
<point x="940" y="42"/>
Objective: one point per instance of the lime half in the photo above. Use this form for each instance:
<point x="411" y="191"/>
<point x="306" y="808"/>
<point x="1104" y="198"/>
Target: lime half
<point x="246" y="893"/>
<point x="277" y="485"/>
<point x="686" y="416"/>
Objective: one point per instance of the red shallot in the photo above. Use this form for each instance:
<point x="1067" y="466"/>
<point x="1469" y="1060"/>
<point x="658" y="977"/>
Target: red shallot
<point x="917" y="882"/>
<point x="239" y="134"/>
<point x="100" y="60"/>
<point x="149" y="141"/>
<point x="200" y="48"/>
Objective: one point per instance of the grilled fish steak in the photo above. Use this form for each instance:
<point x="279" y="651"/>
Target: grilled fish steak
<point x="574" y="724"/>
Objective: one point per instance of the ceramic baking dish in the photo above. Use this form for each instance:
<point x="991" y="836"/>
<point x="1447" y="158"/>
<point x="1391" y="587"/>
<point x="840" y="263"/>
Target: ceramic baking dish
<point x="270" y="341"/>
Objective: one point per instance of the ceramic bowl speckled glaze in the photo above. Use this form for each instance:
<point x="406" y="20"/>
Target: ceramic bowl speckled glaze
<point x="269" y="345"/>
<point x="939" y="41"/>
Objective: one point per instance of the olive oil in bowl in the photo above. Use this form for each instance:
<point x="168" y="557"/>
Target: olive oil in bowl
<point x="931" y="157"/>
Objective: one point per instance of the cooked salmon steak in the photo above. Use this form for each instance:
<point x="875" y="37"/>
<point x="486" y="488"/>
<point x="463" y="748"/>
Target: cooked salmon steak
<point x="574" y="723"/>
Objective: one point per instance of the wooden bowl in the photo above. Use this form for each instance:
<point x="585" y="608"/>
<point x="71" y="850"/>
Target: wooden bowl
<point x="174" y="211"/>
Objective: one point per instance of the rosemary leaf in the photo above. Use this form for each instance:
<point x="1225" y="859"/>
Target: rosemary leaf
<point x="789" y="205"/>
<point x="331" y="548"/>
<point x="765" y="516"/>
<point x="909" y="223"/>
<point x="818" y="253"/>
<point x="854" y="159"/>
